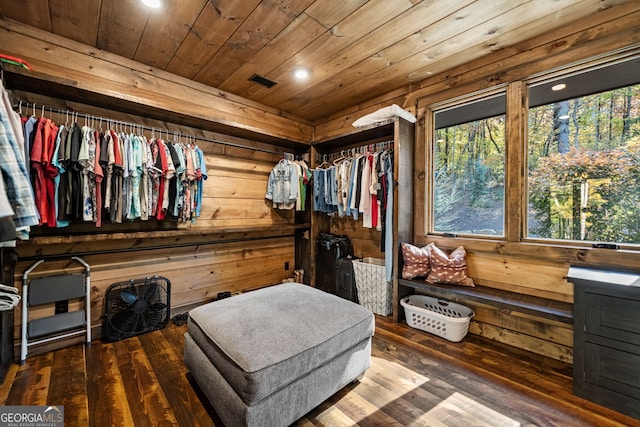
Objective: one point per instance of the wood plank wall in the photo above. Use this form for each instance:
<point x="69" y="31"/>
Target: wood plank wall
<point x="365" y="241"/>
<point x="204" y="263"/>
<point x="532" y="268"/>
<point x="610" y="29"/>
<point x="238" y="243"/>
<point x="87" y="69"/>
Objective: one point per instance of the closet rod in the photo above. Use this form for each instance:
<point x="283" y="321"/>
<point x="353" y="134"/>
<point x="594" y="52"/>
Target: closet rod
<point x="355" y="150"/>
<point x="87" y="116"/>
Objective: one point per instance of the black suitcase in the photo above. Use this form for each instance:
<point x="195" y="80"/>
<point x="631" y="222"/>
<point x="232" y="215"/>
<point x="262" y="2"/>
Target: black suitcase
<point x="330" y="249"/>
<point x="346" y="279"/>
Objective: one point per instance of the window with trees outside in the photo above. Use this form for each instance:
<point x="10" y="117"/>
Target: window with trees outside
<point x="469" y="168"/>
<point x="584" y="156"/>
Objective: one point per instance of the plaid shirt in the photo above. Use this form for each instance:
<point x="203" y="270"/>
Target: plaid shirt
<point x="14" y="171"/>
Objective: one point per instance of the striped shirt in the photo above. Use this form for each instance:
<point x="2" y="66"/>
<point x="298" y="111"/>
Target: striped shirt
<point x="14" y="170"/>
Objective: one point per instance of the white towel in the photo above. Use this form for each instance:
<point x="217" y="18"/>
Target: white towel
<point x="384" y="114"/>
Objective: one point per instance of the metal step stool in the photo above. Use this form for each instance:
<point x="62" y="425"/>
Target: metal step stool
<point x="57" y="289"/>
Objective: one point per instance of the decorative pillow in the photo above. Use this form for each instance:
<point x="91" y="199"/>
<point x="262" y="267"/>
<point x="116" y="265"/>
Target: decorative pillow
<point x="415" y="261"/>
<point x="450" y="269"/>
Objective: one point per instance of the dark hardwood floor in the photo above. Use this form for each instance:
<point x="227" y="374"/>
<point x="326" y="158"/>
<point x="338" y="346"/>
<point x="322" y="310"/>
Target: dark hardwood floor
<point x="416" y="379"/>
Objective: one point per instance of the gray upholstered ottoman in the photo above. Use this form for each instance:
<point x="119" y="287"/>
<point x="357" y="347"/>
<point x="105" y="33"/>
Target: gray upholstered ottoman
<point x="267" y="357"/>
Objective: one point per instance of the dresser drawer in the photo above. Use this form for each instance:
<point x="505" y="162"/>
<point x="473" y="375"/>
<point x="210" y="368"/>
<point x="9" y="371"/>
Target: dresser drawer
<point x="613" y="369"/>
<point x="612" y="317"/>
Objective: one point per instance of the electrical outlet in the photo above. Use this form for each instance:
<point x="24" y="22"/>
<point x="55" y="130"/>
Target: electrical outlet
<point x="62" y="306"/>
<point x="286" y="265"/>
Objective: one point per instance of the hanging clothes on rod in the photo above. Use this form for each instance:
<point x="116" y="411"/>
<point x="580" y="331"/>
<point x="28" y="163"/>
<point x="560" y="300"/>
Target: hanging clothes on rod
<point x="358" y="183"/>
<point x="126" y="126"/>
<point x="347" y="183"/>
<point x="90" y="173"/>
<point x="287" y="183"/>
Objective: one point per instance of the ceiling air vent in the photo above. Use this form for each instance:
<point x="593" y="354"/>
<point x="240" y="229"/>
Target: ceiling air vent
<point x="261" y="80"/>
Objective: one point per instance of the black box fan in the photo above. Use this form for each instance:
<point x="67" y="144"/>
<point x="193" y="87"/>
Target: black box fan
<point x="136" y="306"/>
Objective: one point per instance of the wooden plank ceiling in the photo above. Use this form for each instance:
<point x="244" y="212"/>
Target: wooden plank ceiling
<point x="356" y="50"/>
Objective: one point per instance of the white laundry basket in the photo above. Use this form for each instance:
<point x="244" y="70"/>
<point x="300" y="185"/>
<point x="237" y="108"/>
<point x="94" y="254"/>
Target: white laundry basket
<point x="374" y="292"/>
<point x="440" y="317"/>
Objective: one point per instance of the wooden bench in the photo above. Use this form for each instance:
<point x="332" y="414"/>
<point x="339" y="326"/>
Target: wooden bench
<point x="505" y="300"/>
<point x="535" y="323"/>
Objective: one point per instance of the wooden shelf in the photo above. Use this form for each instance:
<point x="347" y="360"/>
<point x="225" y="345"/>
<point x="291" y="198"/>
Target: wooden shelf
<point x="31" y="81"/>
<point x="383" y="130"/>
<point x="541" y="307"/>
<point x="211" y="234"/>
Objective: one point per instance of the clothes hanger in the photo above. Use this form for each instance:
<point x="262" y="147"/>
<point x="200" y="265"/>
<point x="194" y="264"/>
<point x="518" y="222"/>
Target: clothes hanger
<point x="339" y="158"/>
<point x="324" y="163"/>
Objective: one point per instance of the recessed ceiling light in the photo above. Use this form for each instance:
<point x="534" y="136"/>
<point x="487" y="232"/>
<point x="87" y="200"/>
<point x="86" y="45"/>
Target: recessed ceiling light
<point x="558" y="87"/>
<point x="152" y="3"/>
<point x="301" y="73"/>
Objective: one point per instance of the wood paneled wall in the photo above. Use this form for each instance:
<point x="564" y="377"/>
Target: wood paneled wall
<point x="225" y="250"/>
<point x="235" y="190"/>
<point x="611" y="29"/>
<point x="532" y="268"/>
<point x="365" y="241"/>
<point x="125" y="81"/>
<point x="197" y="272"/>
<point x="238" y="243"/>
